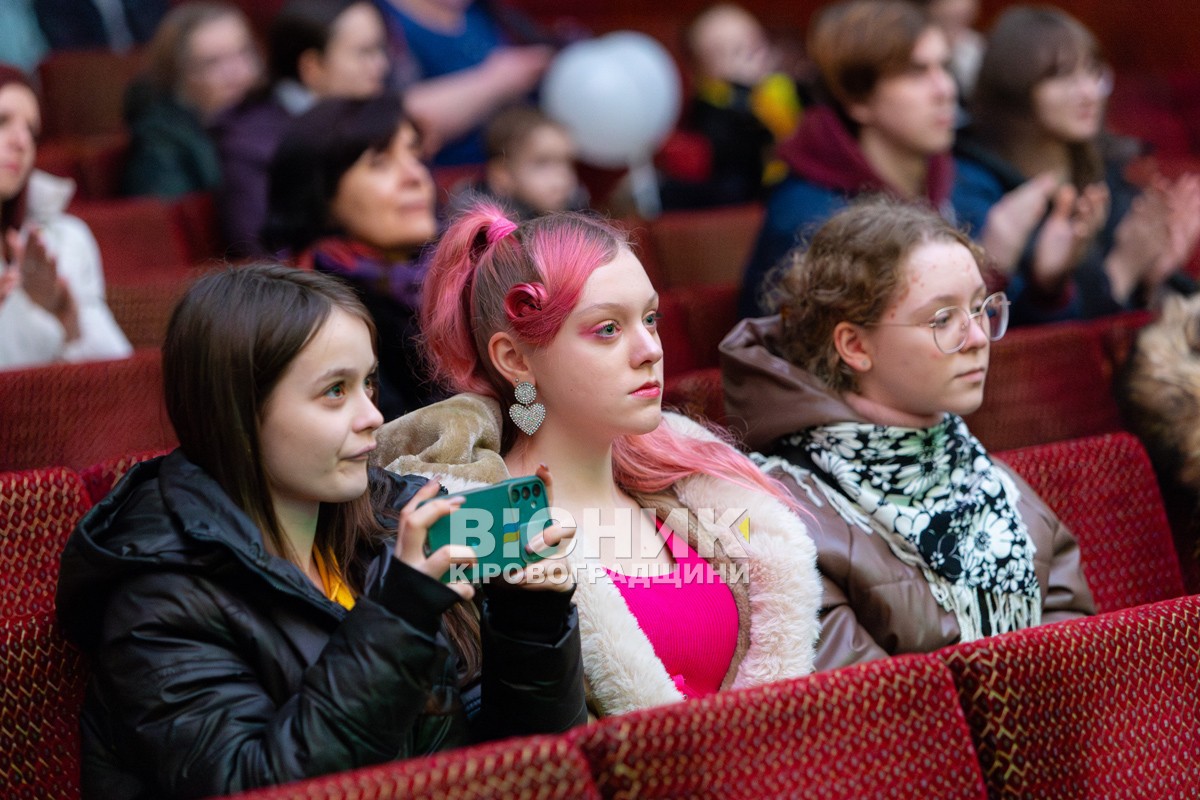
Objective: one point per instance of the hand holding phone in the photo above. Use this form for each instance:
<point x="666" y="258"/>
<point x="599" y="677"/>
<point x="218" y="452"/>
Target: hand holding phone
<point x="497" y="522"/>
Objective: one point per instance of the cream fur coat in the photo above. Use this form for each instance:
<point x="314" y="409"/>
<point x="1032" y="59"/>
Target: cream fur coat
<point x="777" y="601"/>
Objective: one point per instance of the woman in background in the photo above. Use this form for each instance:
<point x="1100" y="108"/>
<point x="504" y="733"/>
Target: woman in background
<point x="1038" y="111"/>
<point x="316" y="49"/>
<point x="51" y="281"/>
<point x="350" y="196"/>
<point x="201" y="62"/>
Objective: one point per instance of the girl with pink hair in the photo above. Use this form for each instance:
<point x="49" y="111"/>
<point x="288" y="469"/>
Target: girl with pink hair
<point x="693" y="573"/>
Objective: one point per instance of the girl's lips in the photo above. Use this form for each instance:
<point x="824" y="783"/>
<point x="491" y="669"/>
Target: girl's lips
<point x="649" y="390"/>
<point x="362" y="455"/>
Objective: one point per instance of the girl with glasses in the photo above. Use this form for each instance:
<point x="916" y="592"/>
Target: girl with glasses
<point x="853" y="396"/>
<point x="1077" y="240"/>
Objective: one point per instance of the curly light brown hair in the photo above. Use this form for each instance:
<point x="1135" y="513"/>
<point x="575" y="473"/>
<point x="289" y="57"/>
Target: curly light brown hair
<point x="851" y="271"/>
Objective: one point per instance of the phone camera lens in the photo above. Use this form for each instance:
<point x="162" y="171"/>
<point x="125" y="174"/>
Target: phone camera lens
<point x="537" y="490"/>
<point x="516" y="495"/>
<point x="525" y="493"/>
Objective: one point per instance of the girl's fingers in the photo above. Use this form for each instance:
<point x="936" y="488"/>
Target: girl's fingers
<point x="431" y="488"/>
<point x="543" y="472"/>
<point x="432" y="511"/>
<point x="445" y="557"/>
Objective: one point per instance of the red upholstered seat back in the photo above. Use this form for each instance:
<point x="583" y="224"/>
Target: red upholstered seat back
<point x="890" y="728"/>
<point x="1045" y="384"/>
<point x="698" y="393"/>
<point x="75" y="415"/>
<point x="705" y="247"/>
<point x="1102" y="707"/>
<point x="42" y="682"/>
<point x="542" y="767"/>
<point x="38" y="510"/>
<point x="139" y="238"/>
<point x="1105" y="490"/>
<point x="100" y="478"/>
<point x="82" y="91"/>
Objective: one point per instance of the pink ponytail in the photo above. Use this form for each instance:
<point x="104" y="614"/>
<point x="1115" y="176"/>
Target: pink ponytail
<point x="491" y="274"/>
<point x="447" y="309"/>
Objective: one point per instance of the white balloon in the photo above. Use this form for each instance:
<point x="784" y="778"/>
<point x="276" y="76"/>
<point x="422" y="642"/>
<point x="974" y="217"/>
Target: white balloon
<point x="655" y="72"/>
<point x="619" y="96"/>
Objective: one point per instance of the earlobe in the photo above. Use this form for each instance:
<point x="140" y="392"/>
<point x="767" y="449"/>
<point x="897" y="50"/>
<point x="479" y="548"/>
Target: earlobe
<point x="309" y="67"/>
<point x="859" y="112"/>
<point x="851" y="345"/>
<point x="499" y="178"/>
<point x="508" y="358"/>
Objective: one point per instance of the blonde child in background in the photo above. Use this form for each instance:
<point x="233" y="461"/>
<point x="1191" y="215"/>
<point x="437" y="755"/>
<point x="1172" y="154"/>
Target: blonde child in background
<point x="742" y="105"/>
<point x="531" y="163"/>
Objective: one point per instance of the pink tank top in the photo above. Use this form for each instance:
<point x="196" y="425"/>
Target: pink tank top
<point x="689" y="616"/>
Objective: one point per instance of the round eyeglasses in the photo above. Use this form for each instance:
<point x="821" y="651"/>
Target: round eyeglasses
<point x="951" y="325"/>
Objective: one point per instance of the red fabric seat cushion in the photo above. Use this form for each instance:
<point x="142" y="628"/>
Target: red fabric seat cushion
<point x="1101" y="707"/>
<point x="1105" y="490"/>
<point x="42" y="680"/>
<point x="38" y="510"/>
<point x="890" y="728"/>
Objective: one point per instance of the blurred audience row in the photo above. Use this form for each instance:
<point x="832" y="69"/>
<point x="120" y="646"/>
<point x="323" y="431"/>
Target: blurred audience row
<point x="318" y="148"/>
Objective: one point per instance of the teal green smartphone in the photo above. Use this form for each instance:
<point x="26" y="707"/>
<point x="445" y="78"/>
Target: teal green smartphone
<point x="497" y="521"/>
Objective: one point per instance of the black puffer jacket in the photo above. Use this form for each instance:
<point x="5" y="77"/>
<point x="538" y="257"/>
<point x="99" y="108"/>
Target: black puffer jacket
<point x="218" y="667"/>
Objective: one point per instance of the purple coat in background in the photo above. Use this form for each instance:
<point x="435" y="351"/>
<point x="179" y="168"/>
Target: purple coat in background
<point x="247" y="137"/>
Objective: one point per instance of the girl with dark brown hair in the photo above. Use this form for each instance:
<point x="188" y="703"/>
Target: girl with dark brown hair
<point x="259" y="607"/>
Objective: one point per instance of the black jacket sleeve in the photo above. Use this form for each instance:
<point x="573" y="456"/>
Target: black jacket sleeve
<point x="532" y="664"/>
<point x="195" y="712"/>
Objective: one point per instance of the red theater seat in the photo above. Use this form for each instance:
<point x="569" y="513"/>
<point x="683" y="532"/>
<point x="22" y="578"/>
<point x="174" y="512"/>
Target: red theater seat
<point x="699" y="394"/>
<point x="100" y="478"/>
<point x="139" y="239"/>
<point x="542" y="767"/>
<point x="1102" y="707"/>
<point x="1105" y="490"/>
<point x="83" y="91"/>
<point x="705" y="247"/>
<point x="143" y="310"/>
<point x="1047" y="383"/>
<point x="76" y="415"/>
<point x="42" y="681"/>
<point x="38" y="510"/>
<point x="890" y="728"/>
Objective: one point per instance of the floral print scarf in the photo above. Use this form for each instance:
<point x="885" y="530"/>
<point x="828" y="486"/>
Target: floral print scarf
<point x="943" y="507"/>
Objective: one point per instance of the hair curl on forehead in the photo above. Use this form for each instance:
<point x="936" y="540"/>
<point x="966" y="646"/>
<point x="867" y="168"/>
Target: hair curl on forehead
<point x="491" y="273"/>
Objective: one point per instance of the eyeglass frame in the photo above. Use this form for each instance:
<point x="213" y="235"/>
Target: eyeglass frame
<point x="972" y="317"/>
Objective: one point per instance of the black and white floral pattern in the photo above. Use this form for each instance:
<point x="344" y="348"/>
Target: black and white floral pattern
<point x="936" y="490"/>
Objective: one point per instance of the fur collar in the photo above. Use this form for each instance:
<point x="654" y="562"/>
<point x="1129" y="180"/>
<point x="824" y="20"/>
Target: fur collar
<point x="778" y="596"/>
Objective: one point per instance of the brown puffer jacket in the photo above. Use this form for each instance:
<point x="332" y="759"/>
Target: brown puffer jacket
<point x="874" y="605"/>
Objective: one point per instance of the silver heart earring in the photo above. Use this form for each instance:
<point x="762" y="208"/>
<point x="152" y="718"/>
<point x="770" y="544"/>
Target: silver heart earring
<point x="527" y="414"/>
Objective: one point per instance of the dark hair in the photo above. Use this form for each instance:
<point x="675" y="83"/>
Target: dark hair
<point x="229" y="341"/>
<point x="317" y="149"/>
<point x="299" y="26"/>
<point x="857" y="42"/>
<point x="12" y="210"/>
<point x="851" y="272"/>
<point x="1027" y="45"/>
